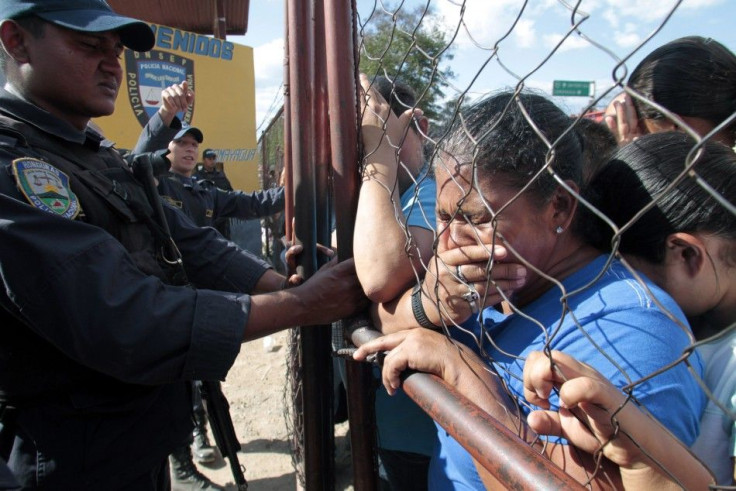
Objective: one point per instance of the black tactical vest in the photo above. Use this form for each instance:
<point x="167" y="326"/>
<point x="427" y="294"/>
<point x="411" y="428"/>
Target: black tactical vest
<point x="111" y="199"/>
<point x="110" y="196"/>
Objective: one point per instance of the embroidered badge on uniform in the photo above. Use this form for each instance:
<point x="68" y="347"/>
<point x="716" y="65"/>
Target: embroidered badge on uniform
<point x="172" y="201"/>
<point x="45" y="187"/>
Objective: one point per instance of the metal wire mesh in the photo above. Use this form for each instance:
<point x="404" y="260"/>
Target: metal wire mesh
<point x="293" y="416"/>
<point x="402" y="47"/>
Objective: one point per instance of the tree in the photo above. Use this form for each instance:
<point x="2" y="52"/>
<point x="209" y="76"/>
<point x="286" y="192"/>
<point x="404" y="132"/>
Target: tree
<point x="405" y="47"/>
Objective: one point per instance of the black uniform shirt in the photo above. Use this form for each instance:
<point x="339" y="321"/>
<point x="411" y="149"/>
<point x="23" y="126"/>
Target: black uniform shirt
<point x="92" y="349"/>
<point x="216" y="177"/>
<point x="201" y="199"/>
<point x="204" y="203"/>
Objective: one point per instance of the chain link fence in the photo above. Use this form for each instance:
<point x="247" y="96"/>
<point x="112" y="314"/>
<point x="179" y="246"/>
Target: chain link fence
<point x="500" y="153"/>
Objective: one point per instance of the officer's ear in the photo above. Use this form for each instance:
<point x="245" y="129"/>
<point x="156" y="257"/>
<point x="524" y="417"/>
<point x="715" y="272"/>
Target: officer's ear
<point x="13" y="40"/>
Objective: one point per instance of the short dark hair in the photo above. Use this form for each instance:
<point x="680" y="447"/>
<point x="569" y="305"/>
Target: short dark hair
<point x="505" y="145"/>
<point x="641" y="171"/>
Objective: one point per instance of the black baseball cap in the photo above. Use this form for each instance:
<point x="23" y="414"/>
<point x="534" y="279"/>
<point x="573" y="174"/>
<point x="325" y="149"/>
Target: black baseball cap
<point x="209" y="154"/>
<point x="189" y="130"/>
<point x="85" y="16"/>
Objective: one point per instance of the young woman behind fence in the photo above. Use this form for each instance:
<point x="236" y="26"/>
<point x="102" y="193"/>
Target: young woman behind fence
<point x="693" y="77"/>
<point x="687" y="245"/>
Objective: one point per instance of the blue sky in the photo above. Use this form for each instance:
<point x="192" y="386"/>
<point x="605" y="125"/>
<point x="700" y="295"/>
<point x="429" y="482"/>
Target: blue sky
<point x="619" y="25"/>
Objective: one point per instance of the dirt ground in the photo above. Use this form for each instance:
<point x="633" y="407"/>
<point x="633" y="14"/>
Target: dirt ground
<point x="254" y="388"/>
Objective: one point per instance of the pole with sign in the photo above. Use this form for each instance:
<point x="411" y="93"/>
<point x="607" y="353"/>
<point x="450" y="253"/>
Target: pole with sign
<point x="570" y="88"/>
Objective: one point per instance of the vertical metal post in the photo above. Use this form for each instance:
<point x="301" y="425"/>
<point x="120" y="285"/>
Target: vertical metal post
<point x="322" y="129"/>
<point x="288" y="161"/>
<point x="342" y="89"/>
<point x="220" y="22"/>
<point x="316" y="380"/>
<point x="320" y="353"/>
<point x="264" y="185"/>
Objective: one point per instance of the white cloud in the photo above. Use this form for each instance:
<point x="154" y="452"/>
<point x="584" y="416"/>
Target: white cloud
<point x="572" y="42"/>
<point x="268" y="61"/>
<point x="484" y="21"/>
<point x="612" y="17"/>
<point x="699" y="4"/>
<point x="629" y="36"/>
<point x="525" y="33"/>
<point x="650" y="10"/>
<point x="265" y="97"/>
<point x="626" y="39"/>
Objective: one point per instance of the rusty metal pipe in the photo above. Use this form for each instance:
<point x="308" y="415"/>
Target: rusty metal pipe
<point x="503" y="453"/>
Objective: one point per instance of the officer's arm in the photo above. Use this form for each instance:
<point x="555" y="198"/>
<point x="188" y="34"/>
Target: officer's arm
<point x="332" y="293"/>
<point x="76" y="287"/>
<point x="213" y="262"/>
<point x="236" y="204"/>
<point x="228" y="186"/>
<point x="157" y="134"/>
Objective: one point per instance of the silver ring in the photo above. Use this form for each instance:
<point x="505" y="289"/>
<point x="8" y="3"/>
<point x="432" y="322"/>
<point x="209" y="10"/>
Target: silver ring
<point x="460" y="275"/>
<point x="472" y="298"/>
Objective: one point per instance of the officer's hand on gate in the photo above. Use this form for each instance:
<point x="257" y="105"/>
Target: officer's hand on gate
<point x="333" y="292"/>
<point x="292" y="255"/>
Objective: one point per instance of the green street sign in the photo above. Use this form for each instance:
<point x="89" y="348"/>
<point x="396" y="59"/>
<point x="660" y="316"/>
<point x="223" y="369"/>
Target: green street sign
<point x="571" y="88"/>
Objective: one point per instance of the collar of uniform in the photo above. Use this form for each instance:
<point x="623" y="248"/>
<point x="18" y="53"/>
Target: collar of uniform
<point x="28" y="112"/>
<point x="187" y="181"/>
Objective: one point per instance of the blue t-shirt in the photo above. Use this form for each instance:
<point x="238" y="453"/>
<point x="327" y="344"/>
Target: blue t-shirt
<point x="401" y="424"/>
<point x="619" y="316"/>
<point x="418" y="202"/>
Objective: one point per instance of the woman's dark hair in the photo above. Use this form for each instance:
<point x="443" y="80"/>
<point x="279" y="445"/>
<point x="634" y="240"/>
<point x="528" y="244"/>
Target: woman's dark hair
<point x="504" y="145"/>
<point x="691" y="76"/>
<point x="598" y="145"/>
<point x="641" y="171"/>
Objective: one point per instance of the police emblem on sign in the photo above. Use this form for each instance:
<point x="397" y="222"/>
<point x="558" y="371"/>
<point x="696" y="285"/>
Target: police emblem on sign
<point x="148" y="74"/>
<point x="45" y="187"/>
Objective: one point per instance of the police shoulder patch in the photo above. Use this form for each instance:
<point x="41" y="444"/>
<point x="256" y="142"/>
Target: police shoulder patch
<point x="45" y="187"/>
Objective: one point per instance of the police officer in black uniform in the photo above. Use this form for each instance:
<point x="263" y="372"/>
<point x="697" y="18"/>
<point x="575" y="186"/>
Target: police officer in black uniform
<point x="201" y="200"/>
<point x="205" y="204"/>
<point x="97" y="340"/>
<point x="209" y="172"/>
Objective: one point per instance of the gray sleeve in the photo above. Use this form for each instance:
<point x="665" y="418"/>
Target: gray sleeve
<point x="156" y="135"/>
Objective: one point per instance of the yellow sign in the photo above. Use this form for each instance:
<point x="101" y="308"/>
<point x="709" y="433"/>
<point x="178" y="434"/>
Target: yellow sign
<point x="221" y="75"/>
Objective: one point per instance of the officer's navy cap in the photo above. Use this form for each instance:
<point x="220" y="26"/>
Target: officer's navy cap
<point x="85" y="16"/>
<point x="209" y="153"/>
<point x="189" y="130"/>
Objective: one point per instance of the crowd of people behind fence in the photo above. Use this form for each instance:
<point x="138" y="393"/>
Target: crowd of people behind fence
<point x="508" y="264"/>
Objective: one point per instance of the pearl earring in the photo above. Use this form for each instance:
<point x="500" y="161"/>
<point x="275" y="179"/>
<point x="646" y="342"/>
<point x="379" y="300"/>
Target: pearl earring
<point x="559" y="230"/>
